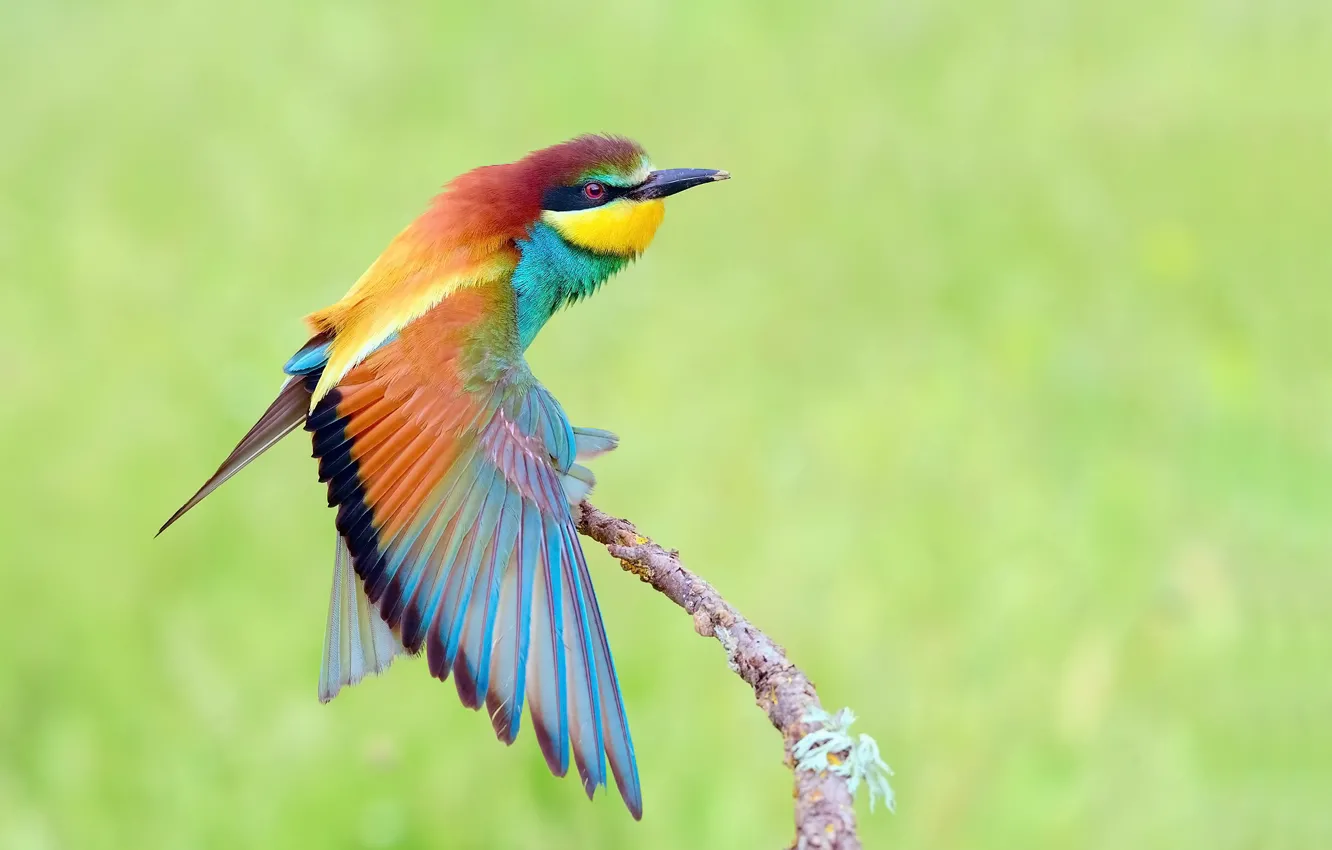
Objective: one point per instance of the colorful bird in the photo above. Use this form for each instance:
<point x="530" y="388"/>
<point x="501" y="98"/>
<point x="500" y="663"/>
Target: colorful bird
<point x="452" y="469"/>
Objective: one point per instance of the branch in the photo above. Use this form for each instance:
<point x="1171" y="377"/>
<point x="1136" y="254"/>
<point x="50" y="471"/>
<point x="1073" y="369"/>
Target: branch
<point x="824" y="816"/>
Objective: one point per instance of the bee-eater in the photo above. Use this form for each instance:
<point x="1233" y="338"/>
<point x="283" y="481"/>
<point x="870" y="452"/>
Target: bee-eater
<point x="452" y="468"/>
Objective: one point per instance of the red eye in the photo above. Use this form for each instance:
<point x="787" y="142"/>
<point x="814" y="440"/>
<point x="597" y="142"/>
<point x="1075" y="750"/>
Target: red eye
<point x="594" y="191"/>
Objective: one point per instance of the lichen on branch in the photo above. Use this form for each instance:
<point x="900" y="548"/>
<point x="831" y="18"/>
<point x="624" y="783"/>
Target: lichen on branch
<point x="827" y="763"/>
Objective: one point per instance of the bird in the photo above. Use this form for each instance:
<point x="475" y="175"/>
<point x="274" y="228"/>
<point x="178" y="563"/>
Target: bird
<point x="453" y="471"/>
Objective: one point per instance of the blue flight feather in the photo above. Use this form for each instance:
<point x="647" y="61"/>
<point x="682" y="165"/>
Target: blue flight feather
<point x="487" y="575"/>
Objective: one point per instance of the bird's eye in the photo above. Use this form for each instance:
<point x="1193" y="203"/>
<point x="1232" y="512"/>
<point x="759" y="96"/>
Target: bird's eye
<point x="594" y="191"/>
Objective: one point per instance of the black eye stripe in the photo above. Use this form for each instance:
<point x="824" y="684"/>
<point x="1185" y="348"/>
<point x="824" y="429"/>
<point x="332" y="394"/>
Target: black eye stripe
<point x="567" y="198"/>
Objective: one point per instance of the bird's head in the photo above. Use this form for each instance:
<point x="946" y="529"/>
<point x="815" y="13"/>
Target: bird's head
<point x="598" y="193"/>
<point x="602" y="194"/>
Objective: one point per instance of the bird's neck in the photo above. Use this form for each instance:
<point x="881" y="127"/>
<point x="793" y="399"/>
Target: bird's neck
<point x="553" y="273"/>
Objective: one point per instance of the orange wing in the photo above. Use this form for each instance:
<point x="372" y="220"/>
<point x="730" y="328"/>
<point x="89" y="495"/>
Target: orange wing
<point x="444" y="457"/>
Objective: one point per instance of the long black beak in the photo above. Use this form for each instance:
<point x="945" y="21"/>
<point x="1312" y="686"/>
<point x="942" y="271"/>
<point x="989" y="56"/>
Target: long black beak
<point x="660" y="184"/>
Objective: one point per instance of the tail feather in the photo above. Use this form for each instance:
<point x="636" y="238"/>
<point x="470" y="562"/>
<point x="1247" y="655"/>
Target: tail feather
<point x="283" y="416"/>
<point x="357" y="642"/>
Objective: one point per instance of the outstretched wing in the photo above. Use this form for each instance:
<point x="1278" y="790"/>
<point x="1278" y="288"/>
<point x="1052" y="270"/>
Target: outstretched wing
<point x="444" y="461"/>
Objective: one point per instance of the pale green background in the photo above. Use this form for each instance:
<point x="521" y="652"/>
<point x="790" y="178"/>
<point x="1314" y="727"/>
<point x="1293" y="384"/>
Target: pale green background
<point x="997" y="385"/>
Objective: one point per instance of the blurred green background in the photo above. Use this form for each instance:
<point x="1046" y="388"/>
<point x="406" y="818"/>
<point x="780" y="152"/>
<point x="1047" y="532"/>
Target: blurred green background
<point x="995" y="386"/>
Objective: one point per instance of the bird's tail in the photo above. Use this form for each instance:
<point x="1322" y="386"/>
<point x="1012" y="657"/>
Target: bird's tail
<point x="357" y="641"/>
<point x="283" y="416"/>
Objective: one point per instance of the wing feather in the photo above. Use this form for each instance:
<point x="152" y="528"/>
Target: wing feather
<point x="450" y="496"/>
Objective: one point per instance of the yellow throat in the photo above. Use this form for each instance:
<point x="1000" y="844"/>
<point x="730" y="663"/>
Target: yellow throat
<point x="622" y="227"/>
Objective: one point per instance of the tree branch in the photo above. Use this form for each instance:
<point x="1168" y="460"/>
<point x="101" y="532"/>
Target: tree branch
<point x="824" y="816"/>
